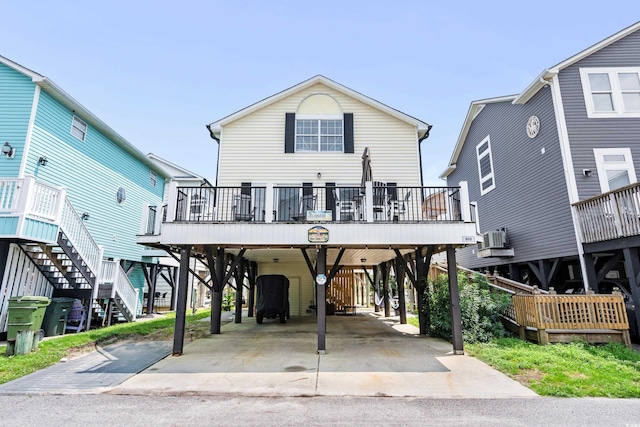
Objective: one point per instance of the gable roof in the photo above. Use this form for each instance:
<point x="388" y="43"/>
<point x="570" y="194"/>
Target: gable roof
<point x="214" y="128"/>
<point x="547" y="74"/>
<point x="533" y="88"/>
<point x="167" y="166"/>
<point x="68" y="101"/>
<point x="474" y="110"/>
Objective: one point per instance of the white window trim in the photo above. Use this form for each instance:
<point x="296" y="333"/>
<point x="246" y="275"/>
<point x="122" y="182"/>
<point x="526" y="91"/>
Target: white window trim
<point x="616" y="92"/>
<point x="491" y="174"/>
<point x="124" y="199"/>
<point x="602" y="167"/>
<point x="318" y="118"/>
<point x="153" y="178"/>
<point x="73" y="125"/>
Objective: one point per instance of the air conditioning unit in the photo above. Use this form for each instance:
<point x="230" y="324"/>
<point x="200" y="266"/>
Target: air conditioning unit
<point x="494" y="239"/>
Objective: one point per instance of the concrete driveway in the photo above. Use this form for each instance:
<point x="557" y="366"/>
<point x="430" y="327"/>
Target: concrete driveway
<point x="367" y="355"/>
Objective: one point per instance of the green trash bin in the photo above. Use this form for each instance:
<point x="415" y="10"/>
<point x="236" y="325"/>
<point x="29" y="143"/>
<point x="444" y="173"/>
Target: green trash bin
<point x="55" y="318"/>
<point x="25" y="314"/>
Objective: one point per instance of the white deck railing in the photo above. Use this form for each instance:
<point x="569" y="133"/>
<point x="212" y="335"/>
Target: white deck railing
<point x="77" y="233"/>
<point x="610" y="215"/>
<point x="113" y="273"/>
<point x="30" y="197"/>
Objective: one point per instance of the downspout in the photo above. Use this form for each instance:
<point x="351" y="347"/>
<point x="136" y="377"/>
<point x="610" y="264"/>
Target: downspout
<point x="425" y="136"/>
<point x="212" y="135"/>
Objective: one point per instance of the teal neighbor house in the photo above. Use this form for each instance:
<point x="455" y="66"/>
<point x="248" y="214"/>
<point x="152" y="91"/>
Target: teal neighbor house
<point x="73" y="196"/>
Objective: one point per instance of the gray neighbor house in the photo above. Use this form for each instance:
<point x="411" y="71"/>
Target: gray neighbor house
<point x="553" y="172"/>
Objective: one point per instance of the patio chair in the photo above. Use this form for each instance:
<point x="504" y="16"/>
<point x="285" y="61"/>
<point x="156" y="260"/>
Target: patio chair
<point x="241" y="209"/>
<point x="307" y="203"/>
<point x="345" y="209"/>
<point x="398" y="208"/>
<point x="379" y="201"/>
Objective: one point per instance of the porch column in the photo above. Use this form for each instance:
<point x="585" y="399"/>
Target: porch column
<point x="456" y="318"/>
<point x="376" y="288"/>
<point x="421" y="280"/>
<point x="632" y="268"/>
<point x="181" y="310"/>
<point x="400" y="282"/>
<point x="216" y="294"/>
<point x="252" y="272"/>
<point x="591" y="281"/>
<point x="321" y="301"/>
<point x="239" y="275"/>
<point x="385" y="289"/>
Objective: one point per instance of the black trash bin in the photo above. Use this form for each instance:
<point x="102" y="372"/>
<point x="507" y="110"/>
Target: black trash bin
<point x="55" y="318"/>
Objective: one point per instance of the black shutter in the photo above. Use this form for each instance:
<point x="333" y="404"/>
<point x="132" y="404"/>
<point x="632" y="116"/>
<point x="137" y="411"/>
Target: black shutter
<point x="331" y="202"/>
<point x="290" y="132"/>
<point x="392" y="190"/>
<point x="246" y="188"/>
<point x="348" y="133"/>
<point x="307" y="188"/>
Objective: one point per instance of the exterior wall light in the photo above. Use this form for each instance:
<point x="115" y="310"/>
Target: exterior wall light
<point x="8" y="150"/>
<point x="85" y="216"/>
<point x="42" y="161"/>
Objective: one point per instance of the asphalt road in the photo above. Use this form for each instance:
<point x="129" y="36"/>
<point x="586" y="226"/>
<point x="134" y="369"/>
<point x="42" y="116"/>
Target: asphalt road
<point x="117" y="410"/>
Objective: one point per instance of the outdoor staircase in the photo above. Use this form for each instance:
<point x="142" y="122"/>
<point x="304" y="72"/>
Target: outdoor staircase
<point x="73" y="264"/>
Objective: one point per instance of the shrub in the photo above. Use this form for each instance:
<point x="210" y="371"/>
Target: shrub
<point x="479" y="308"/>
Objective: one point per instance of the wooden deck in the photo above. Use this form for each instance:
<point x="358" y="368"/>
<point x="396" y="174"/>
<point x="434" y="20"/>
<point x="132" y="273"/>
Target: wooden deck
<point x="563" y="318"/>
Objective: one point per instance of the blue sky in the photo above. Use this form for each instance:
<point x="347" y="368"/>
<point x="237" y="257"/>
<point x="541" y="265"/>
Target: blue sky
<point x="157" y="72"/>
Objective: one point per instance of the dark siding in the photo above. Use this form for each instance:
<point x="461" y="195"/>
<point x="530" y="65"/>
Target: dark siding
<point x="348" y="133"/>
<point x="585" y="134"/>
<point x="530" y="199"/>
<point x="289" y="132"/>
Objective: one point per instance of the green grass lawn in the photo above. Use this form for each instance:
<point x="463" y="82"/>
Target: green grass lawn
<point x="563" y="370"/>
<point x="52" y="350"/>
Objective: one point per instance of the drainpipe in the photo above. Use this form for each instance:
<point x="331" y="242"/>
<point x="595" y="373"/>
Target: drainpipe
<point x="212" y="135"/>
<point x="425" y="136"/>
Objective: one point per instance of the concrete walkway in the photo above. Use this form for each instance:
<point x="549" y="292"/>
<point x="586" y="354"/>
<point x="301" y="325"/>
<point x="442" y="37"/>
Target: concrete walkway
<point x="367" y="355"/>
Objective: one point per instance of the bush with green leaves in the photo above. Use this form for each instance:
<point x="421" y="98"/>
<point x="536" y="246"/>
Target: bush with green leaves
<point x="479" y="308"/>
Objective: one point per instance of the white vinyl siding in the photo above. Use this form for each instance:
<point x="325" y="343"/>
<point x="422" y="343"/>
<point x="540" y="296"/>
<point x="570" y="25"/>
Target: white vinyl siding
<point x="485" y="166"/>
<point x="611" y="92"/>
<point x="615" y="168"/>
<point x="251" y="148"/>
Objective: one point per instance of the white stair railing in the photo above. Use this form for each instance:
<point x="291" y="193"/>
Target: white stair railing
<point x="73" y="227"/>
<point x="113" y="273"/>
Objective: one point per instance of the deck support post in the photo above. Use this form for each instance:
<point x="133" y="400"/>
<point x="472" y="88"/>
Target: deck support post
<point x="181" y="310"/>
<point x="454" y="296"/>
<point x="216" y="294"/>
<point x="376" y="288"/>
<point x="321" y="302"/>
<point x="239" y="276"/>
<point x="632" y="268"/>
<point x="252" y="269"/>
<point x="384" y="267"/>
<point x="402" y="304"/>
<point x="422" y="271"/>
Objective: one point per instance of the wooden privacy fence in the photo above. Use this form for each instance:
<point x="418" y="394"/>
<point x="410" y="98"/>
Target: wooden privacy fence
<point x="562" y="318"/>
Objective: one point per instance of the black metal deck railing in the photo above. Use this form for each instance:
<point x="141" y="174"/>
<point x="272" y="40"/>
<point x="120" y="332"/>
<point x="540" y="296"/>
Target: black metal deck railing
<point x="312" y="204"/>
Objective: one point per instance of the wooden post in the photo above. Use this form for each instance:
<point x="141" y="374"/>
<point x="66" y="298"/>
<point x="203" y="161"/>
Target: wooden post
<point x="402" y="305"/>
<point x="321" y="302"/>
<point x="252" y="268"/>
<point x="216" y="294"/>
<point x="239" y="275"/>
<point x="385" y="289"/>
<point x="376" y="288"/>
<point x="181" y="310"/>
<point x="456" y="317"/>
<point x="632" y="268"/>
<point x="421" y="278"/>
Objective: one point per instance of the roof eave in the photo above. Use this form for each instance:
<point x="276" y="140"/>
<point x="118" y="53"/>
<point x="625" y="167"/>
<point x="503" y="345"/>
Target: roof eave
<point x="215" y="127"/>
